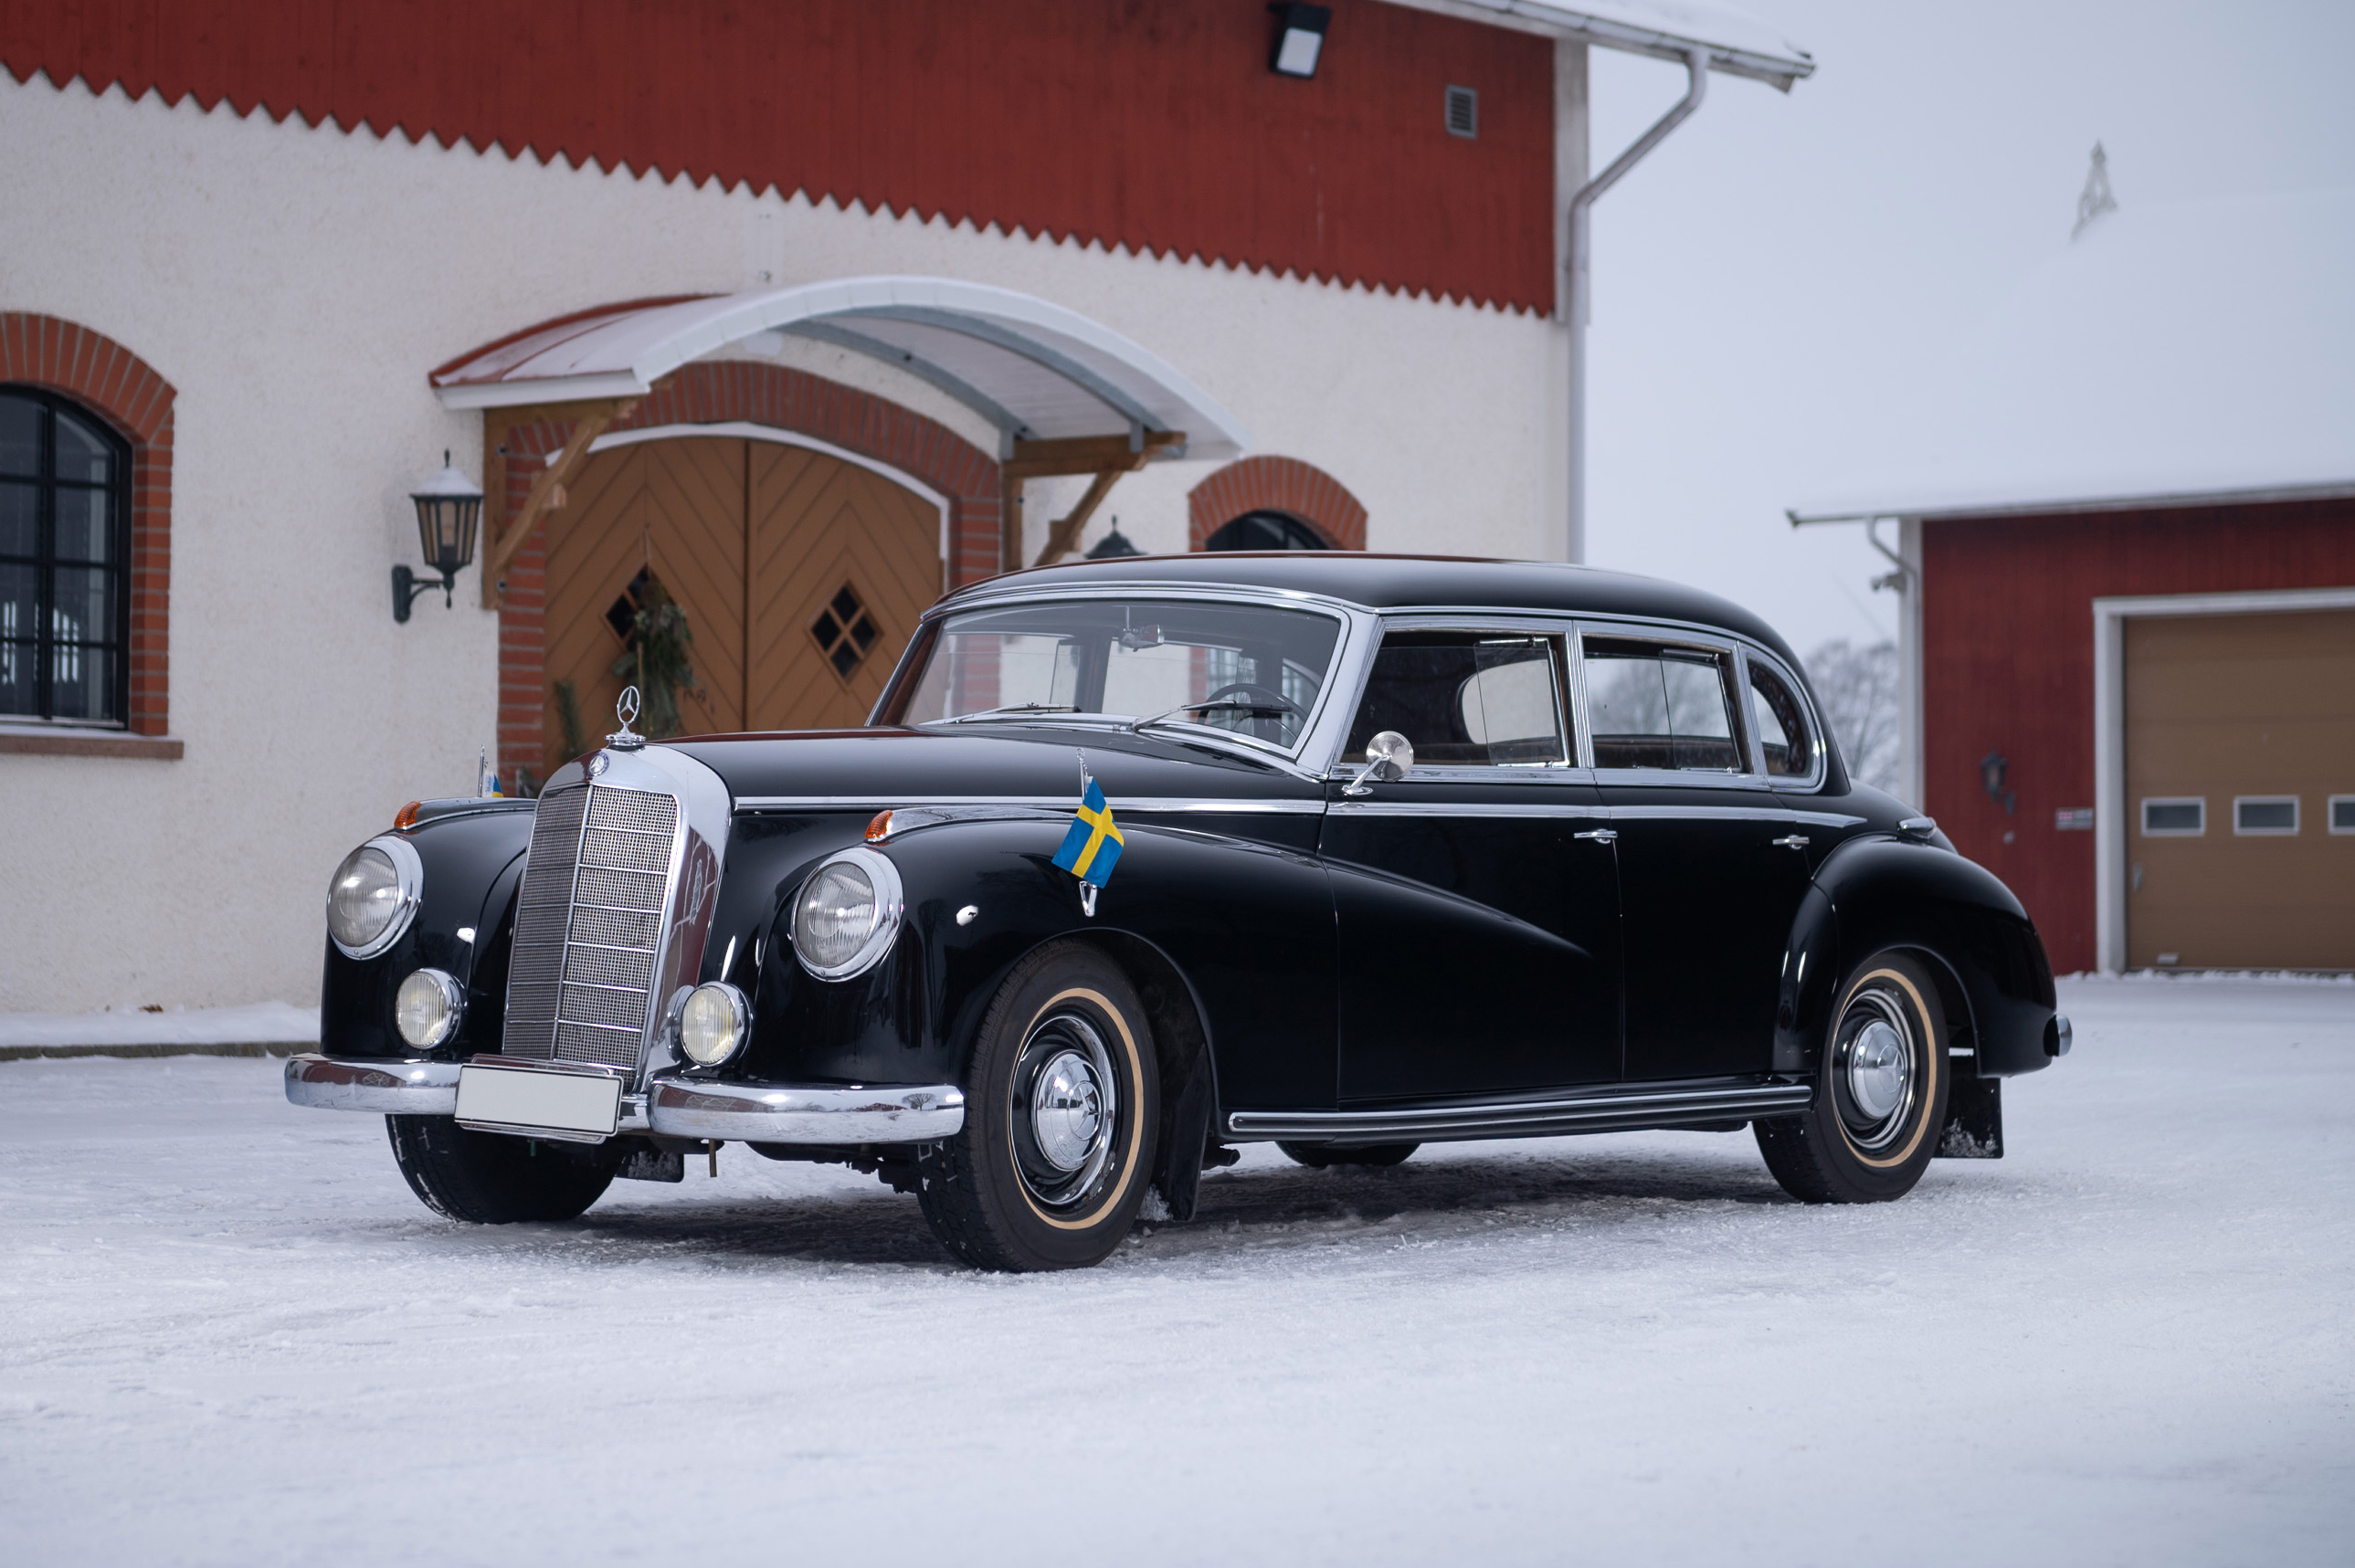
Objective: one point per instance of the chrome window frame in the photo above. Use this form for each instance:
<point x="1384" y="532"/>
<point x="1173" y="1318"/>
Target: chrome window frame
<point x="1816" y="776"/>
<point x="1572" y="769"/>
<point x="1352" y="653"/>
<point x="1724" y="645"/>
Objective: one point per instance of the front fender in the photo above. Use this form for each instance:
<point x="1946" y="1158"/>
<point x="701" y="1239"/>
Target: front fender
<point x="471" y="858"/>
<point x="1247" y="926"/>
<point x="1892" y="892"/>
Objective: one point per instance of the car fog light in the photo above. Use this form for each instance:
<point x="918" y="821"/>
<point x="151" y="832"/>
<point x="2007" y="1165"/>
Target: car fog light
<point x="428" y="1007"/>
<point x="847" y="915"/>
<point x="712" y="1024"/>
<point x="373" y="893"/>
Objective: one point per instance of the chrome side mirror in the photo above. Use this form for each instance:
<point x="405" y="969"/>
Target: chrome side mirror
<point x="1388" y="756"/>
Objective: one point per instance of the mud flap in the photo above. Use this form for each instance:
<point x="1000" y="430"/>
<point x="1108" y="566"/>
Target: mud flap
<point x="1183" y="1139"/>
<point x="1974" y="1118"/>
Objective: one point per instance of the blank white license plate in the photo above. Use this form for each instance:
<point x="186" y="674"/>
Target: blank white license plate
<point x="582" y="1106"/>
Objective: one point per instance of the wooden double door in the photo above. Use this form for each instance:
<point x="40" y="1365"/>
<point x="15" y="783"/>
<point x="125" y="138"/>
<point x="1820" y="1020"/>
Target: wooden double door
<point x="801" y="574"/>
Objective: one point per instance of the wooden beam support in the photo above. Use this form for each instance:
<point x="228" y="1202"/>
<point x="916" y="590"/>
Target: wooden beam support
<point x="589" y="420"/>
<point x="1064" y="537"/>
<point x="1010" y="523"/>
<point x="1087" y="454"/>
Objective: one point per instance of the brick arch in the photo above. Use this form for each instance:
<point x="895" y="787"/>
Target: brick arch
<point x="125" y="391"/>
<point x="731" y="391"/>
<point x="1276" y="485"/>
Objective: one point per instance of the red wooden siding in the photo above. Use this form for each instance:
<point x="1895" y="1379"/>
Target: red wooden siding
<point x="1150" y="124"/>
<point x="2008" y="645"/>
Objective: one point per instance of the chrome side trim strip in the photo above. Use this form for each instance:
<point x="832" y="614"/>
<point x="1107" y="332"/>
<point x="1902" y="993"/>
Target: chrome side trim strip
<point x="388" y="1087"/>
<point x="1061" y="803"/>
<point x="1585" y="1113"/>
<point x="1762" y="812"/>
<point x="1462" y="808"/>
<point x="788" y="1113"/>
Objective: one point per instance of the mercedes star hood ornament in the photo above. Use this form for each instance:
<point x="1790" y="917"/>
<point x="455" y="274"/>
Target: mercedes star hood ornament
<point x="626" y="710"/>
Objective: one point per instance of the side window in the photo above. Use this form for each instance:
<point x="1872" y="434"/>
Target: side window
<point x="1651" y="705"/>
<point x="1466" y="699"/>
<point x="1781" y="723"/>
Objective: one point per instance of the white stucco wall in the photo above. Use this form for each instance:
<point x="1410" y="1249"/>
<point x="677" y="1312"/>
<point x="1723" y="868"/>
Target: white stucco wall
<point x="295" y="285"/>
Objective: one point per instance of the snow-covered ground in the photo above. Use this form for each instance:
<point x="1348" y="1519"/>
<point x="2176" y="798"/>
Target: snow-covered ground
<point x="228" y="1333"/>
<point x="257" y="1024"/>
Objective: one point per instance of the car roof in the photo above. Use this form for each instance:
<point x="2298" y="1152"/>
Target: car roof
<point x="1402" y="582"/>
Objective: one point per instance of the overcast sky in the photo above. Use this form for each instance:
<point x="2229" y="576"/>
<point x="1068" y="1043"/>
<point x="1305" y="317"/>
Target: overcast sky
<point x="1775" y="268"/>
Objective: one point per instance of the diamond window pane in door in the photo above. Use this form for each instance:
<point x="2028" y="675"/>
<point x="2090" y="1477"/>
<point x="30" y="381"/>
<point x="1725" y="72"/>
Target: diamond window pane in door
<point x="845" y="631"/>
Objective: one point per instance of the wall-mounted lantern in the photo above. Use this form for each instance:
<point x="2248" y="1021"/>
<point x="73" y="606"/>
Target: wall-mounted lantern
<point x="449" y="508"/>
<point x="1993" y="767"/>
<point x="1299" y="39"/>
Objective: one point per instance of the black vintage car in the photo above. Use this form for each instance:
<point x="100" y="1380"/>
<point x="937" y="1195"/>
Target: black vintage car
<point x="1390" y="851"/>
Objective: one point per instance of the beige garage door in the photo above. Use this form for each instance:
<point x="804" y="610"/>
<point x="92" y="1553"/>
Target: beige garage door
<point x="2240" y="750"/>
<point x="802" y="577"/>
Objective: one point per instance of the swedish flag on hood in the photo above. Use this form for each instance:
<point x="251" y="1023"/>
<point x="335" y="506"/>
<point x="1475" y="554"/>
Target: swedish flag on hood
<point x="1091" y="846"/>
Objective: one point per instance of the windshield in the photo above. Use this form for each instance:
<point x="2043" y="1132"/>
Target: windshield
<point x="1261" y="666"/>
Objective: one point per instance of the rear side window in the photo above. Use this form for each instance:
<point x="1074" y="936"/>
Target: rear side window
<point x="1651" y="705"/>
<point x="1466" y="699"/>
<point x="1782" y="724"/>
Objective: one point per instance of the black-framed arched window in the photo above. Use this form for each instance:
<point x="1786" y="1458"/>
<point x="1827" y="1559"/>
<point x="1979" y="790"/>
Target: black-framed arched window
<point x="1266" y="531"/>
<point x="65" y="562"/>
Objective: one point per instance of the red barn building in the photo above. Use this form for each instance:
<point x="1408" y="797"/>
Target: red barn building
<point x="2126" y="538"/>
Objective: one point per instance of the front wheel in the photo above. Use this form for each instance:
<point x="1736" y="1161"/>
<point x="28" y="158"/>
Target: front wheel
<point x="1061" y="1105"/>
<point x="490" y="1179"/>
<point x="1880" y="1093"/>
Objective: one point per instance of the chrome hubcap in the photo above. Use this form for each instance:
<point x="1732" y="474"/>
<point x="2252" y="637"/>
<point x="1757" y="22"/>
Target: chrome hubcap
<point x="1877" y="1069"/>
<point x="1066" y="1110"/>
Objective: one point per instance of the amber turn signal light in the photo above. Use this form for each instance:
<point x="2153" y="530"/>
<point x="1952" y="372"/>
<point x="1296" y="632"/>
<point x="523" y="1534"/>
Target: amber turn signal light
<point x="407" y="816"/>
<point x="880" y="828"/>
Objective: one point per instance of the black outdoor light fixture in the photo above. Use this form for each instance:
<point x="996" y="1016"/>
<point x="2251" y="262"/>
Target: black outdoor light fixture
<point x="1299" y="39"/>
<point x="448" y="509"/>
<point x="1992" y="768"/>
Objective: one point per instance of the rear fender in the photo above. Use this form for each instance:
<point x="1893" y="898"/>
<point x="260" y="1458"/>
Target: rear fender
<point x="1976" y="940"/>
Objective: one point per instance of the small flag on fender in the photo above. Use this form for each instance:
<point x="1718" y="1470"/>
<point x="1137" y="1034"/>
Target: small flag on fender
<point x="1091" y="845"/>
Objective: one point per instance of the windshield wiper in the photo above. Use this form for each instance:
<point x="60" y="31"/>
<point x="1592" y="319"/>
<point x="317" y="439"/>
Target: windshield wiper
<point x="1228" y="705"/>
<point x="1016" y="708"/>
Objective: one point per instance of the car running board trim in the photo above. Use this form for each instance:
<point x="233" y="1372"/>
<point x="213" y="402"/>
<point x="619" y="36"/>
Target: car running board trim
<point x="1612" y="1112"/>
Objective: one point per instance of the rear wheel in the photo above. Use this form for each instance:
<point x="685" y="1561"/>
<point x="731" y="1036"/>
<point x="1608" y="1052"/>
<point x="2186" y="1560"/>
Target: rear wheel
<point x="1323" y="1156"/>
<point x="1880" y="1093"/>
<point x="489" y="1179"/>
<point x="1060" y="1109"/>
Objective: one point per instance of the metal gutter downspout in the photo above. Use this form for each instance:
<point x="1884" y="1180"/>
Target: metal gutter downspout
<point x="1697" y="87"/>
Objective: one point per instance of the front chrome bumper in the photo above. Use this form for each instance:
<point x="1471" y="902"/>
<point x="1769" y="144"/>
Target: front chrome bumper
<point x="674" y="1107"/>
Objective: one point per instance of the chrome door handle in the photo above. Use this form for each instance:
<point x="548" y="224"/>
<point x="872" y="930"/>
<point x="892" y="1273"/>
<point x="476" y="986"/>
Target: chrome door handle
<point x="1796" y="841"/>
<point x="1600" y="836"/>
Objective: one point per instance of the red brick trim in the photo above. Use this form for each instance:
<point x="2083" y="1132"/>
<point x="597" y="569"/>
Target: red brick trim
<point x="125" y="390"/>
<point x="66" y="743"/>
<point x="733" y="391"/>
<point x="1276" y="485"/>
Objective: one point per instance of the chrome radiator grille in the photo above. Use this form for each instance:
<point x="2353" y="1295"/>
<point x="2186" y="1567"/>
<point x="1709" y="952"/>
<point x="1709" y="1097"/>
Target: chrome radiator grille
<point x="588" y="923"/>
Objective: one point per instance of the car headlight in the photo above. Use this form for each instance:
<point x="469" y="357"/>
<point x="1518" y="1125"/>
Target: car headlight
<point x="713" y="1022"/>
<point x="427" y="1007"/>
<point x="374" y="894"/>
<point x="846" y="914"/>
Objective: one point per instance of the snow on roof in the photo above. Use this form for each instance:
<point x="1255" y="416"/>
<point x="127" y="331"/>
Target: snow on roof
<point x="2170" y="354"/>
<point x="1738" y="43"/>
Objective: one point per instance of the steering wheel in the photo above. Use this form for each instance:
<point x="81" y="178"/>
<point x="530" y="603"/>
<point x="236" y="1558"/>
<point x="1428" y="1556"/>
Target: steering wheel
<point x="1245" y="689"/>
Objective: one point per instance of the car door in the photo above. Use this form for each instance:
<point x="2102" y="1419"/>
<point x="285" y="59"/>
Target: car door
<point x="1712" y="861"/>
<point x="1476" y="898"/>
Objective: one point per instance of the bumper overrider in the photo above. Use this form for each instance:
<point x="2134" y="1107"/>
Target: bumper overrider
<point x="671" y="1106"/>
